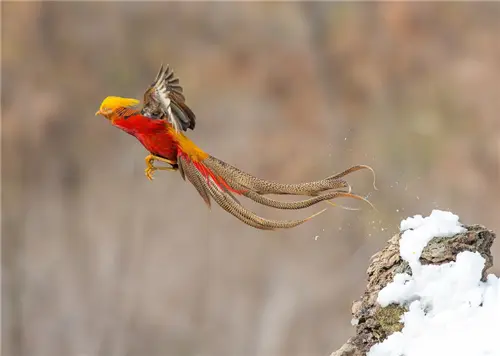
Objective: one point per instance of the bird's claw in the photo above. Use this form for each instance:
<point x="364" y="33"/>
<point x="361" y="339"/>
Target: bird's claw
<point x="149" y="172"/>
<point x="151" y="168"/>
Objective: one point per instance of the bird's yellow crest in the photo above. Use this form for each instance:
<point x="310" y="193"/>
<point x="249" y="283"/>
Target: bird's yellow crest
<point x="113" y="102"/>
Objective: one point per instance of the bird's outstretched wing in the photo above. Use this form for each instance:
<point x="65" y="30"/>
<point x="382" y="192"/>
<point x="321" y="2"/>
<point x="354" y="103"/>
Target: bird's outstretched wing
<point x="164" y="100"/>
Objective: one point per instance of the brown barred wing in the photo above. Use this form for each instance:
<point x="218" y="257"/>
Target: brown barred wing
<point x="164" y="100"/>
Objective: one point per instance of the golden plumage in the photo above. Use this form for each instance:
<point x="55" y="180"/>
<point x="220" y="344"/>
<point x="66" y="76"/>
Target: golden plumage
<point x="112" y="103"/>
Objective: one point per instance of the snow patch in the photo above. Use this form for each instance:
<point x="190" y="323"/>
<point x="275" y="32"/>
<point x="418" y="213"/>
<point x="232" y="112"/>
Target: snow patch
<point x="451" y="311"/>
<point x="418" y="231"/>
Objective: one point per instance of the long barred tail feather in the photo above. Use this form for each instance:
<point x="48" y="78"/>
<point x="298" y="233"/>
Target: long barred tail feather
<point x="188" y="171"/>
<point x="228" y="202"/>
<point x="250" y="218"/>
<point x="301" y="204"/>
<point x="220" y="181"/>
<point x="261" y="186"/>
<point x="354" y="169"/>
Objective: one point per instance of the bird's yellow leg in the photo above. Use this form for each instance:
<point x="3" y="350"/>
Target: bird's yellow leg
<point x="161" y="159"/>
<point x="151" y="168"/>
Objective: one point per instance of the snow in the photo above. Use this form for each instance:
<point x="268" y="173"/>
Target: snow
<point x="418" y="231"/>
<point x="451" y="311"/>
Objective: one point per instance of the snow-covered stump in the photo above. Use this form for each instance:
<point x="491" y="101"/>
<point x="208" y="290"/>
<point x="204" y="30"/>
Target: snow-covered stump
<point x="428" y="293"/>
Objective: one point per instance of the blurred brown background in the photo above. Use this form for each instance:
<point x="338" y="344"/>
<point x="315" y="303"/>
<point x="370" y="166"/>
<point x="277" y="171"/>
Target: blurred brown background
<point x="97" y="260"/>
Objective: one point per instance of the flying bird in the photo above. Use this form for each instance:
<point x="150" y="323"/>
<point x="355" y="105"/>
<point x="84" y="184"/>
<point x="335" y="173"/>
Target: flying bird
<point x="160" y="126"/>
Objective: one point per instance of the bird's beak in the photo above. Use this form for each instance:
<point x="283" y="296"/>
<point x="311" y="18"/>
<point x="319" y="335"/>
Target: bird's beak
<point x="98" y="112"/>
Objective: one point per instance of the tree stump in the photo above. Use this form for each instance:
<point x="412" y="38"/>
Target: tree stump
<point x="375" y="323"/>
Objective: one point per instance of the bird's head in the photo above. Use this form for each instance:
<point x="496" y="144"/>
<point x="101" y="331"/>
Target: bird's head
<point x="111" y="103"/>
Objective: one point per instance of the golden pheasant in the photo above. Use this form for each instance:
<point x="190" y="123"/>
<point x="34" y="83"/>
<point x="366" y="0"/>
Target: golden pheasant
<point x="159" y="126"/>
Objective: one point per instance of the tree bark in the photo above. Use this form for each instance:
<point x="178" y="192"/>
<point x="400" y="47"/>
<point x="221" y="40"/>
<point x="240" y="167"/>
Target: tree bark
<point x="374" y="323"/>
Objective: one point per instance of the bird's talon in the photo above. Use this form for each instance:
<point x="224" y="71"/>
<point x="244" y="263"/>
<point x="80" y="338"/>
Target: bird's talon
<point x="149" y="172"/>
<point x="150" y="168"/>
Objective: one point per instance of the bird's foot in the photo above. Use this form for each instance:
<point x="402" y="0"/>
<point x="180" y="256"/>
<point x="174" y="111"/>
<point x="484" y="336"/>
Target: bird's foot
<point x="151" y="168"/>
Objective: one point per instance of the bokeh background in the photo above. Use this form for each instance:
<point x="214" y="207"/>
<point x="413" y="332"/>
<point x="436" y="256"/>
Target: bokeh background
<point x="97" y="260"/>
